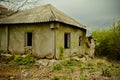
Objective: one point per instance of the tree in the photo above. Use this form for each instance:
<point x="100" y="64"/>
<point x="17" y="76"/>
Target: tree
<point x="20" y="4"/>
<point x="108" y="41"/>
<point x="15" y="5"/>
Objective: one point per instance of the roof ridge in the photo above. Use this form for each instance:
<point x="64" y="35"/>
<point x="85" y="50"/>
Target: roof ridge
<point x="53" y="14"/>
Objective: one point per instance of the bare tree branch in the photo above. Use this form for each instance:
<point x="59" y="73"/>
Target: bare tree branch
<point x="22" y="4"/>
<point x="19" y="4"/>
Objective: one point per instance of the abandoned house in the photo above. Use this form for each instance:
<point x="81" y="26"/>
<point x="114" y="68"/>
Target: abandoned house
<point x="43" y="31"/>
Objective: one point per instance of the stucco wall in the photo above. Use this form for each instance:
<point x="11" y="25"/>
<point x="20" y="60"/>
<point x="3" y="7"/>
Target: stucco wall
<point x="48" y="39"/>
<point x="3" y="37"/>
<point x="74" y="40"/>
<point x="43" y="39"/>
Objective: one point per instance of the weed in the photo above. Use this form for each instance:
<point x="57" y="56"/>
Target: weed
<point x="61" y="50"/>
<point x="71" y="68"/>
<point x="91" y="67"/>
<point x="27" y="60"/>
<point x="106" y="72"/>
<point x="61" y="53"/>
<point x="4" y="52"/>
<point x="55" y="78"/>
<point x="64" y="78"/>
<point x="91" y="70"/>
<point x="58" y="67"/>
<point x="71" y="62"/>
<point x="81" y="70"/>
<point x="84" y="78"/>
<point x="90" y="64"/>
<point x="18" y="60"/>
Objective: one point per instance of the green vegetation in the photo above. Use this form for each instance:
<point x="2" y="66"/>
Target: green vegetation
<point x="55" y="78"/>
<point x="106" y="72"/>
<point x="69" y="69"/>
<point x="64" y="78"/>
<point x="58" y="67"/>
<point x="27" y="60"/>
<point x="108" y="42"/>
<point x="61" y="53"/>
<point x="84" y="78"/>
<point x="71" y="62"/>
<point x="4" y="52"/>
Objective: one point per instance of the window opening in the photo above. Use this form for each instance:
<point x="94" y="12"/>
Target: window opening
<point x="67" y="40"/>
<point x="80" y="40"/>
<point x="29" y="38"/>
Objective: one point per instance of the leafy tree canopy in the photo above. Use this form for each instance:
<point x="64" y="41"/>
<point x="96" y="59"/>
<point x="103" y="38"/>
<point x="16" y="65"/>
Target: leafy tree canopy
<point x="108" y="41"/>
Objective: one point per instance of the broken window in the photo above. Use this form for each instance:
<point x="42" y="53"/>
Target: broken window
<point x="67" y="40"/>
<point x="29" y="40"/>
<point x="80" y="40"/>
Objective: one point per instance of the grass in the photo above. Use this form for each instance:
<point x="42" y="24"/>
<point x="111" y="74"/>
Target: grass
<point x="71" y="62"/>
<point x="84" y="78"/>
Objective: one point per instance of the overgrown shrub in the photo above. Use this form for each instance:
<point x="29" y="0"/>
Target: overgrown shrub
<point x="108" y="42"/>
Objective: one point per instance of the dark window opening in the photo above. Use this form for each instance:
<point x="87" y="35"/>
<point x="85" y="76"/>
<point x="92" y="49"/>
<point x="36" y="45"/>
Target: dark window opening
<point x="67" y="40"/>
<point x="29" y="39"/>
<point x="80" y="40"/>
<point x="0" y="39"/>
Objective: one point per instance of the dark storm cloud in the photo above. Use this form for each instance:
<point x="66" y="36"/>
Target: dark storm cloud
<point x="101" y="13"/>
<point x="96" y="14"/>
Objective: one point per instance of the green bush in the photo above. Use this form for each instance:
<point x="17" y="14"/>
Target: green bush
<point x="58" y="67"/>
<point x="18" y="60"/>
<point x="55" y="78"/>
<point x="108" y="42"/>
<point x="27" y="60"/>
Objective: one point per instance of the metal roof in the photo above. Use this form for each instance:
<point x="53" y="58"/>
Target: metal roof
<point x="45" y="13"/>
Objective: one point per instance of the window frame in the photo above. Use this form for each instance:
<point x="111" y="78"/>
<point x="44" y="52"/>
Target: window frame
<point x="67" y="40"/>
<point x="26" y="39"/>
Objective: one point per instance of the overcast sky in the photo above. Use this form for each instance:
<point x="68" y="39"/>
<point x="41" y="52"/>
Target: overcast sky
<point x="93" y="13"/>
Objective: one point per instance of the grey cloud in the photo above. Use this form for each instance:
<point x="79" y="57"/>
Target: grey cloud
<point x="93" y="13"/>
<point x="96" y="14"/>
